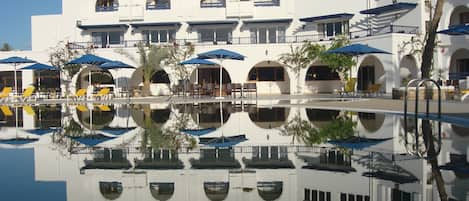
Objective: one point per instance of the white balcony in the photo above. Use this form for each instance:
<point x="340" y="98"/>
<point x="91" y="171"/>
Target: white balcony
<point x="237" y="8"/>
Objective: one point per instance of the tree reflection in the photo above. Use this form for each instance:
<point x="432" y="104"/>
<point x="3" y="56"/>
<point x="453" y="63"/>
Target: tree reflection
<point x="302" y="131"/>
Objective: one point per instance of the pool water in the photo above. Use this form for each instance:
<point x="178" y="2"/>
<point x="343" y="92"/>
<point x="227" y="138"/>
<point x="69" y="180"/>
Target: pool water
<point x="222" y="151"/>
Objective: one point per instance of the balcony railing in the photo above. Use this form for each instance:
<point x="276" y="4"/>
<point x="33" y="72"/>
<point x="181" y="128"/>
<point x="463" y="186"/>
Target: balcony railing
<point x="107" y="8"/>
<point x="249" y="40"/>
<point x="159" y="6"/>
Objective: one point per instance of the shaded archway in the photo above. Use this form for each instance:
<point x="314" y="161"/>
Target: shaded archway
<point x="321" y="118"/>
<point x="459" y="66"/>
<point x="322" y="79"/>
<point x="99" y="78"/>
<point x="159" y="116"/>
<point x="460" y="130"/>
<point x="372" y="122"/>
<point x="110" y="190"/>
<point x="370" y="72"/>
<point x="162" y="191"/>
<point x="269" y="118"/>
<point x="408" y="69"/>
<point x="216" y="191"/>
<point x="102" y="116"/>
<point x="270" y="191"/>
<point x="207" y="115"/>
<point x="160" y="82"/>
<point x="271" y="78"/>
<point x="459" y="15"/>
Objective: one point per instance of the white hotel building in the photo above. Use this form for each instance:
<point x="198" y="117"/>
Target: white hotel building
<point x="259" y="29"/>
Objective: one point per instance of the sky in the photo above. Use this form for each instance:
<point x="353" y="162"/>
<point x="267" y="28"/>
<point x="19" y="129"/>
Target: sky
<point x="15" y="20"/>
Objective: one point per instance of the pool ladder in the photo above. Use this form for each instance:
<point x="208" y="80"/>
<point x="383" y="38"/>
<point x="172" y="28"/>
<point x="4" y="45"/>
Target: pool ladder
<point x="421" y="82"/>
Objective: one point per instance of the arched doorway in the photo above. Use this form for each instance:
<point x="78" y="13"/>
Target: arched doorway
<point x="162" y="191"/>
<point x="320" y="118"/>
<point x="270" y="191"/>
<point x="216" y="191"/>
<point x="160" y="82"/>
<point x="321" y="79"/>
<point x="459" y="66"/>
<point x="98" y="118"/>
<point x="207" y="115"/>
<point x="269" y="118"/>
<point x="371" y="122"/>
<point x="408" y="69"/>
<point x="99" y="79"/>
<point x="110" y="190"/>
<point x="459" y="16"/>
<point x="370" y="72"/>
<point x="209" y="78"/>
<point x="159" y="116"/>
<point x="270" y="77"/>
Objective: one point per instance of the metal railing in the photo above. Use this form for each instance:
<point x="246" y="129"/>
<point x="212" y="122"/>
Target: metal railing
<point x="249" y="40"/>
<point x="421" y="82"/>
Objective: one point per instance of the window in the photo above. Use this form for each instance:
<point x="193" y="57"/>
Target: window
<point x="272" y="34"/>
<point x="307" y="195"/>
<point x="399" y="195"/>
<point x="160" y="77"/>
<point x="267" y="2"/>
<point x="159" y="36"/>
<point x="276" y="74"/>
<point x="321" y="73"/>
<point x="464" y="18"/>
<point x="319" y="195"/>
<point x="212" y="3"/>
<point x="333" y="28"/>
<point x="106" y="39"/>
<point x="158" y="4"/>
<point x="106" y="5"/>
<point x="215" y="35"/>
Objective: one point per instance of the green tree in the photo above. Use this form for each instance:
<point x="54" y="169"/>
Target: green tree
<point x="338" y="62"/>
<point x="59" y="56"/>
<point x="150" y="62"/>
<point x="297" y="59"/>
<point x="6" y="47"/>
<point x="177" y="54"/>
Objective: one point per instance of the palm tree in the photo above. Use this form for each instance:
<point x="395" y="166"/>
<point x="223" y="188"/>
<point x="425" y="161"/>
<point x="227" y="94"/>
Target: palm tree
<point x="150" y="61"/>
<point x="297" y="59"/>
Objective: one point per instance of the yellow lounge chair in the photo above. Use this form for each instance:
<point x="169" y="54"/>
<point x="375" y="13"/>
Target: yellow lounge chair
<point x="5" y="93"/>
<point x="349" y="87"/>
<point x="6" y="111"/>
<point x="104" y="108"/>
<point x="29" y="110"/>
<point x="82" y="108"/>
<point x="27" y="93"/>
<point x="81" y="93"/>
<point x="103" y="93"/>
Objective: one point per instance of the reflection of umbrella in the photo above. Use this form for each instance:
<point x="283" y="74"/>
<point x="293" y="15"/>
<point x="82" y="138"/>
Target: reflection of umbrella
<point x="357" y="142"/>
<point x="40" y="67"/>
<point x="116" y="132"/>
<point x="15" y="61"/>
<point x="42" y="131"/>
<point x="115" y="65"/>
<point x="92" y="140"/>
<point x="18" y="141"/>
<point x="222" y="142"/>
<point x="89" y="59"/>
<point x="221" y="54"/>
<point x="198" y="132"/>
<point x="456" y="30"/>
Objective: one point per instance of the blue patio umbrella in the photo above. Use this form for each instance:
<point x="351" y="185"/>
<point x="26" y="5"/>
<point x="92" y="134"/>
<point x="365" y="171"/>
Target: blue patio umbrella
<point x="115" y="65"/>
<point x="116" y="132"/>
<point x="356" y="50"/>
<point x="15" y="61"/>
<point x="456" y="30"/>
<point x="358" y="143"/>
<point x="198" y="61"/>
<point x="40" y="67"/>
<point x="92" y="140"/>
<point x="89" y="59"/>
<point x="221" y="54"/>
<point x="224" y="142"/>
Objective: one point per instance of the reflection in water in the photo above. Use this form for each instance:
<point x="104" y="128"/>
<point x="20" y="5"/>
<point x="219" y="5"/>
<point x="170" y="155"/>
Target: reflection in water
<point x="178" y="152"/>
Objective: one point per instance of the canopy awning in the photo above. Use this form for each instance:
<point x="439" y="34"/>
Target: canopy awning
<point x="339" y="16"/>
<point x="266" y="21"/>
<point x="218" y="22"/>
<point x="158" y="24"/>
<point x="389" y="8"/>
<point x="102" y="26"/>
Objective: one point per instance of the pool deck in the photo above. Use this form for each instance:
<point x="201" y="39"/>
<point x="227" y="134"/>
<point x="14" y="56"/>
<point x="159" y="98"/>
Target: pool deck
<point x="330" y="101"/>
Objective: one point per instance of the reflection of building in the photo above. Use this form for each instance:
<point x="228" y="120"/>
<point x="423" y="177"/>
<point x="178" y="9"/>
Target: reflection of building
<point x="267" y="166"/>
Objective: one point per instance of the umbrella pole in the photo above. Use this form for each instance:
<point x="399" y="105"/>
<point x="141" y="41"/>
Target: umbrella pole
<point x="16" y="80"/>
<point x="221" y="80"/>
<point x="117" y="84"/>
<point x="221" y="118"/>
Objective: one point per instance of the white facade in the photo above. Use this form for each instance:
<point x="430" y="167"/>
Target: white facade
<point x="260" y="30"/>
